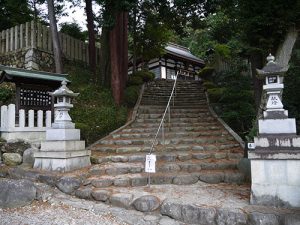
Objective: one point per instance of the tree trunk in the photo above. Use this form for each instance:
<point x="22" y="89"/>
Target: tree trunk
<point x="118" y="41"/>
<point x="256" y="63"/>
<point x="91" y="32"/>
<point x="134" y="27"/>
<point x="105" y="68"/>
<point x="55" y="38"/>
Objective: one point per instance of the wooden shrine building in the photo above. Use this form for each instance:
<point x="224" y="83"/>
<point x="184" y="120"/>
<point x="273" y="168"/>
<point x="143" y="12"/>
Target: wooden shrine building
<point x="176" y="58"/>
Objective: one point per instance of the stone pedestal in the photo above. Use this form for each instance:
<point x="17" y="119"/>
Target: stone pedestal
<point x="62" y="151"/>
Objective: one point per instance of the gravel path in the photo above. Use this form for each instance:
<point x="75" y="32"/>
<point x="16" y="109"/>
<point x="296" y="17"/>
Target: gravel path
<point x="40" y="213"/>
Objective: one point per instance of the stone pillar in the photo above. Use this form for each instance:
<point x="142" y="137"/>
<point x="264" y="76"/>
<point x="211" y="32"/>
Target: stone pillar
<point x="62" y="151"/>
<point x="275" y="161"/>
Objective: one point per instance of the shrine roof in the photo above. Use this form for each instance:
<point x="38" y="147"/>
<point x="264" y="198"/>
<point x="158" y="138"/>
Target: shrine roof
<point x="15" y="75"/>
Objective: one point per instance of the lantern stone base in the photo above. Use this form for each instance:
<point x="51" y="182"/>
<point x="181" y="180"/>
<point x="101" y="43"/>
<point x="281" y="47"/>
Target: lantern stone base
<point x="275" y="178"/>
<point x="62" y="164"/>
<point x="277" y="126"/>
<point x="62" y="134"/>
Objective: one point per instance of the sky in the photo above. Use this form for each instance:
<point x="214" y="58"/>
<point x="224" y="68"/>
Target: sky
<point x="76" y="14"/>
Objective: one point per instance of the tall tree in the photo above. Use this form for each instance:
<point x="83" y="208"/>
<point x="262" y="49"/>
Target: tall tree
<point x="55" y="39"/>
<point x="92" y="41"/>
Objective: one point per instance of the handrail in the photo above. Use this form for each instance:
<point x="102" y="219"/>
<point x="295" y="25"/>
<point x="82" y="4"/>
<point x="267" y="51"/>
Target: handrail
<point x="163" y="118"/>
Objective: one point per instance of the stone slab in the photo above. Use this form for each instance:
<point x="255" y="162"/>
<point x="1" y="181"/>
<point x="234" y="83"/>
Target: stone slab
<point x="62" y="164"/>
<point x="277" y="126"/>
<point x="62" y="134"/>
<point x="74" y="145"/>
<point x="62" y="154"/>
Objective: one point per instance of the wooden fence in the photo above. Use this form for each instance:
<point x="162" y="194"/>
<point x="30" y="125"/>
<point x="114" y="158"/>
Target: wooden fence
<point x="35" y="35"/>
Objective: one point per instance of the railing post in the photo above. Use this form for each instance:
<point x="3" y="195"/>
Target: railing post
<point x="11" y="39"/>
<point x="22" y="118"/>
<point x="27" y="35"/>
<point x="21" y="36"/>
<point x="48" y="119"/>
<point x="7" y="40"/>
<point x="16" y="28"/>
<point x="33" y="34"/>
<point x="11" y="116"/>
<point x="40" y="118"/>
<point x="3" y="116"/>
<point x="31" y="118"/>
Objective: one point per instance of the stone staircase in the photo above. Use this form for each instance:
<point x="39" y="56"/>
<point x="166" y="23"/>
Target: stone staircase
<point x="195" y="145"/>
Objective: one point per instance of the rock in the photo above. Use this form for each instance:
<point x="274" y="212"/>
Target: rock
<point x="119" y="158"/>
<point x="49" y="179"/>
<point x="139" y="181"/>
<point x="162" y="179"/>
<point x="146" y="203"/>
<point x="12" y="159"/>
<point x="68" y="184"/>
<point x="245" y="167"/>
<point x="200" y="155"/>
<point x="168" y="221"/>
<point x="104" y="182"/>
<point x="14" y="147"/>
<point x="23" y="173"/>
<point x="185" y="179"/>
<point x="28" y="156"/>
<point x="122" y="182"/>
<point x="171" y="209"/>
<point x="117" y="170"/>
<point x="171" y="167"/>
<point x="151" y="218"/>
<point x="84" y="192"/>
<point x="234" y="178"/>
<point x="100" y="195"/>
<point x="226" y="216"/>
<point x="16" y="193"/>
<point x="257" y="218"/>
<point x="121" y="200"/>
<point x="184" y="156"/>
<point x="212" y="178"/>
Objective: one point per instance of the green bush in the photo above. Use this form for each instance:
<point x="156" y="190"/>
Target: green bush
<point x="215" y="94"/>
<point x="6" y="95"/>
<point x="209" y="85"/>
<point x="135" y="80"/>
<point x="206" y="72"/>
<point x="131" y="95"/>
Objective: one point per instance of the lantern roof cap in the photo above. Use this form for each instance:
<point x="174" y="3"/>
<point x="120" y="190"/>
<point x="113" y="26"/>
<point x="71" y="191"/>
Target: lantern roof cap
<point x="63" y="91"/>
<point x="271" y="68"/>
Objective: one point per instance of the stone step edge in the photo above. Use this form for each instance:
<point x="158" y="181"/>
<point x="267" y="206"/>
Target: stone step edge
<point x="146" y="201"/>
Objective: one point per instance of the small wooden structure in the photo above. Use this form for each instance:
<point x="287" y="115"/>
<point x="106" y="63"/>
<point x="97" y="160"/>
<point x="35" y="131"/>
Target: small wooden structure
<point x="32" y="87"/>
<point x="177" y="58"/>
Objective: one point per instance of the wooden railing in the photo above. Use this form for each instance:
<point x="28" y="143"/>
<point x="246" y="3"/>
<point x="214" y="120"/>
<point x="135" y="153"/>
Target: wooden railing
<point x="35" y="35"/>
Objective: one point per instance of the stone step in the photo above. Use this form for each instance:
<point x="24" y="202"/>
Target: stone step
<point x="179" y="129"/>
<point x="158" y="148"/>
<point x="171" y="134"/>
<point x="173" y="115"/>
<point x="166" y="141"/>
<point x="176" y="120"/>
<point x="178" y="178"/>
<point x="182" y="155"/>
<point x="156" y="110"/>
<point x="183" y="125"/>
<point x="190" y="166"/>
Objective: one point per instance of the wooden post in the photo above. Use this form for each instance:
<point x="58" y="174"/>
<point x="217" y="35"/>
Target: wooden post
<point x="27" y="34"/>
<point x="45" y="38"/>
<point x="21" y="36"/>
<point x="50" y="44"/>
<point x="33" y="35"/>
<point x="39" y="35"/>
<point x="11" y="39"/>
<point x="16" y="45"/>
<point x="7" y="40"/>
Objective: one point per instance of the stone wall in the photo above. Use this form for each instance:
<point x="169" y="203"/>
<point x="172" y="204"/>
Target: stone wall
<point x="30" y="58"/>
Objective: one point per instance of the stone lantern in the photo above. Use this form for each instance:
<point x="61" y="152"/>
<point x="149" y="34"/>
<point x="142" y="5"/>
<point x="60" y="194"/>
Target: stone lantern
<point x="62" y="106"/>
<point x="63" y="150"/>
<point x="275" y="160"/>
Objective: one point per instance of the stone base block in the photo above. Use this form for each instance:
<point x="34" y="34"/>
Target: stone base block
<point x="62" y="164"/>
<point x="62" y="134"/>
<point x="277" y="126"/>
<point x="62" y="154"/>
<point x="62" y="146"/>
<point x="277" y="141"/>
<point x="24" y="136"/>
<point x="276" y="182"/>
